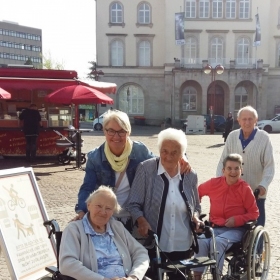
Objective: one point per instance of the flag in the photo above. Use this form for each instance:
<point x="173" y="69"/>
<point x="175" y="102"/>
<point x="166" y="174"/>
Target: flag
<point x="179" y="29"/>
<point x="257" y="41"/>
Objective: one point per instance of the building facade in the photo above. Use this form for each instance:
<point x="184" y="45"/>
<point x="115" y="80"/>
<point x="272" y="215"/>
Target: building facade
<point x="18" y="44"/>
<point x="156" y="52"/>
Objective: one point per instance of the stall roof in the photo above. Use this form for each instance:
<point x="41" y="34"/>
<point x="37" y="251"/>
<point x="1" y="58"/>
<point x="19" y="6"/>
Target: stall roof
<point x="38" y="73"/>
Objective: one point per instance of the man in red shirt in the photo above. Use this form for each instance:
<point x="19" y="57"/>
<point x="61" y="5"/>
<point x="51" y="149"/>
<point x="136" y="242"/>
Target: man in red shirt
<point x="232" y="204"/>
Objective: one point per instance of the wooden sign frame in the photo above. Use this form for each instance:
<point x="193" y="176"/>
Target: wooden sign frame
<point x="23" y="238"/>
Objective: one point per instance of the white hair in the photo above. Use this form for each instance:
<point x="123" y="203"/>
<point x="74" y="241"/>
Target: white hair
<point x="173" y="134"/>
<point x="120" y="117"/>
<point x="107" y="191"/>
<point x="248" y="109"/>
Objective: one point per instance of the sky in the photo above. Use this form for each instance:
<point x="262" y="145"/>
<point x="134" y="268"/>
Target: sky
<point x="68" y="28"/>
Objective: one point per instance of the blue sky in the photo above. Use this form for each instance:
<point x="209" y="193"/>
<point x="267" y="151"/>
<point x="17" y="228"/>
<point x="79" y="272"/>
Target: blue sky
<point x="68" y="28"/>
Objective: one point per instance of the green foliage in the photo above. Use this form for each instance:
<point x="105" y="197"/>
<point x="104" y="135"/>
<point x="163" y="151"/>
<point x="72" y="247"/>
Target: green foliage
<point x="28" y="61"/>
<point x="91" y="68"/>
<point x="49" y="63"/>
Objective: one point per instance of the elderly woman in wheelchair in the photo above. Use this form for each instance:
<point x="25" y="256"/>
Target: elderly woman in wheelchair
<point x="98" y="247"/>
<point x="232" y="204"/>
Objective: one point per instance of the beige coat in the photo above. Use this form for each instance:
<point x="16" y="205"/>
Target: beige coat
<point x="78" y="258"/>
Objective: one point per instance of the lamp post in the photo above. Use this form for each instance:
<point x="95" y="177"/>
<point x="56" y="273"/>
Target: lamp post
<point x="128" y="99"/>
<point x="96" y="74"/>
<point x="218" y="69"/>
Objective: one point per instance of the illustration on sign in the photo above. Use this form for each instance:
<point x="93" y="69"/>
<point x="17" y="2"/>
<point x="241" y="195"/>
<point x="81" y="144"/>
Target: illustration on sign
<point x="23" y="237"/>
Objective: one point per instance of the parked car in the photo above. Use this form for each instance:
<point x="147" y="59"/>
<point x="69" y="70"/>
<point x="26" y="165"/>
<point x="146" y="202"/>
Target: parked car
<point x="272" y="125"/>
<point x="98" y="122"/>
<point x="219" y="122"/>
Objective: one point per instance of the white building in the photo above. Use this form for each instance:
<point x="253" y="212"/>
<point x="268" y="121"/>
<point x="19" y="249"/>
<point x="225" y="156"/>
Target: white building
<point x="158" y="78"/>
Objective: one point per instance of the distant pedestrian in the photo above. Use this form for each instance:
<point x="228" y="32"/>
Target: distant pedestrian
<point x="228" y="126"/>
<point x="255" y="147"/>
<point x="31" y="125"/>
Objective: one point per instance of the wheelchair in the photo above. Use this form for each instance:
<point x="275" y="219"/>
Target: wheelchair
<point x="160" y="268"/>
<point x="245" y="260"/>
<point x="250" y="258"/>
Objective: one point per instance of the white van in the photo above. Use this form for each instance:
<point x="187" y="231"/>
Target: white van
<point x="195" y="124"/>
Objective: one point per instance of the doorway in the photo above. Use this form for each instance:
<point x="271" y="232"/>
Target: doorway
<point x="215" y="97"/>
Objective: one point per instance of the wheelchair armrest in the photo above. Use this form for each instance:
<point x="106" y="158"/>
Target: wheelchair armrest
<point x="250" y="225"/>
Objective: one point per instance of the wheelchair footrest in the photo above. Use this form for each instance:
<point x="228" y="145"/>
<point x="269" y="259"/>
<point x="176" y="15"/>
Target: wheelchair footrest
<point x="190" y="263"/>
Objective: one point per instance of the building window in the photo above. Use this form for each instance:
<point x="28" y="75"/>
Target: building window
<point x="117" y="53"/>
<point x="131" y="100"/>
<point x="243" y="51"/>
<point x="217" y="9"/>
<point x="204" y="8"/>
<point x="144" y="53"/>
<point x="190" y="10"/>
<point x="244" y="9"/>
<point x="241" y="98"/>
<point x="116" y="12"/>
<point x="189" y="98"/>
<point x="144" y="14"/>
<point x="231" y="9"/>
<point x="190" y="51"/>
<point x="216" y="55"/>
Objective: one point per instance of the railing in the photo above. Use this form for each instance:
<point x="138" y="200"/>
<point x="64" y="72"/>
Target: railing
<point x="236" y="63"/>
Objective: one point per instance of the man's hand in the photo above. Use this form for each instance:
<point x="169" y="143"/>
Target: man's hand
<point x="143" y="226"/>
<point x="262" y="190"/>
<point x="184" y="165"/>
<point x="79" y="216"/>
<point x="230" y="222"/>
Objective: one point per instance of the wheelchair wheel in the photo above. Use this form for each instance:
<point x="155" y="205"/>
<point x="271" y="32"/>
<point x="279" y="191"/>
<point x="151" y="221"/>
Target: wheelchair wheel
<point x="64" y="159"/>
<point x="83" y="159"/>
<point x="258" y="257"/>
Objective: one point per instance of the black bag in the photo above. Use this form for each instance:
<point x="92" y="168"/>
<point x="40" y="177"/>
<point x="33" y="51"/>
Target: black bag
<point x="224" y="135"/>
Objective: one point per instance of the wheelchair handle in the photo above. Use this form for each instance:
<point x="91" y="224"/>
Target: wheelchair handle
<point x="256" y="193"/>
<point x="151" y="233"/>
<point x="53" y="225"/>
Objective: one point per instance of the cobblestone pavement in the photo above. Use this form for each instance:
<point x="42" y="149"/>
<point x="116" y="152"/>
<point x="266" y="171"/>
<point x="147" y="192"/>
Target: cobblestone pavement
<point x="59" y="187"/>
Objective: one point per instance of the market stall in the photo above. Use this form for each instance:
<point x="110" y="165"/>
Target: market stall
<point x="27" y="86"/>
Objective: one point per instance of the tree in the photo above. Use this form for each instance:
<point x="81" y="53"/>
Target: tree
<point x="49" y="63"/>
<point x="28" y="62"/>
<point x="91" y="68"/>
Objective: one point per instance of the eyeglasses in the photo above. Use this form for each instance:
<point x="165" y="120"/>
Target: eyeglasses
<point x="112" y="132"/>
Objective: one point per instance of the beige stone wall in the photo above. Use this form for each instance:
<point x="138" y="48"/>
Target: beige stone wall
<point x="163" y="84"/>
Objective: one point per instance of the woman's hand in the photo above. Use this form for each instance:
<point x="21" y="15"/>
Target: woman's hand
<point x="184" y="165"/>
<point x="143" y="226"/>
<point x="79" y="216"/>
<point x="230" y="222"/>
<point x="198" y="224"/>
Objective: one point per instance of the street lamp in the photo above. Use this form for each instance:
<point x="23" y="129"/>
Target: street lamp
<point x="96" y="74"/>
<point x="128" y="99"/>
<point x="218" y="69"/>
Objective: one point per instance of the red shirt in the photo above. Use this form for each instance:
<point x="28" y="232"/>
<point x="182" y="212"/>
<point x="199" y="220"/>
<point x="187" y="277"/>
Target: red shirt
<point x="226" y="201"/>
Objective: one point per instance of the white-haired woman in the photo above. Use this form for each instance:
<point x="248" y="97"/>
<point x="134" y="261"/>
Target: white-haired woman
<point x="98" y="247"/>
<point x="164" y="200"/>
<point x="114" y="164"/>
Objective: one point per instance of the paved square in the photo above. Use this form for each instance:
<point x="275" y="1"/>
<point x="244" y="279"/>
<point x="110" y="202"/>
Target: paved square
<point x="59" y="188"/>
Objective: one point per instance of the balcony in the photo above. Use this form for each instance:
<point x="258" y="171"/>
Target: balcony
<point x="228" y="63"/>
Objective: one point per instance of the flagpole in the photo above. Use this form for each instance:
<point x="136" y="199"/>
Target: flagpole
<point x="256" y="44"/>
